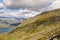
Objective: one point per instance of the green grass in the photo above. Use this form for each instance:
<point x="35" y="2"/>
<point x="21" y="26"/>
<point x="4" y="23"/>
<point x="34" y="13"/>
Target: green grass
<point x="40" y="27"/>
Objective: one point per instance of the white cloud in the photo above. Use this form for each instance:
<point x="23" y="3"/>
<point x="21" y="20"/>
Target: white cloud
<point x="7" y="2"/>
<point x="1" y="11"/>
<point x="21" y="14"/>
<point x="26" y="8"/>
<point x="54" y="5"/>
<point x="29" y="4"/>
<point x="1" y="5"/>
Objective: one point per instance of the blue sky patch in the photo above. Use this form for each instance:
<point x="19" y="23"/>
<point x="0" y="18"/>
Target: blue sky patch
<point x="1" y="1"/>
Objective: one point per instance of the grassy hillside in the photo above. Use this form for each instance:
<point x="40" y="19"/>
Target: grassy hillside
<point x="45" y="26"/>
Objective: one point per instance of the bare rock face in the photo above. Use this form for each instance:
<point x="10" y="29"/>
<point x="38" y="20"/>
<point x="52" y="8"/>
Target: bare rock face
<point x="45" y="26"/>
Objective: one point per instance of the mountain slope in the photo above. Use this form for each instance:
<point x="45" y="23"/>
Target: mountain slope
<point x="45" y="26"/>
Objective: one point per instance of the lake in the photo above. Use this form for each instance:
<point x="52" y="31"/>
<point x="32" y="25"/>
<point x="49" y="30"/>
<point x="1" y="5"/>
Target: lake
<point x="4" y="30"/>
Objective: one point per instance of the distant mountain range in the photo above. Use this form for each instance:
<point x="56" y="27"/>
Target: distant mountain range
<point x="45" y="26"/>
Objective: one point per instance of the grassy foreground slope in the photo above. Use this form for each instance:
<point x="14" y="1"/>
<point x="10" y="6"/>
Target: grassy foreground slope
<point x="45" y="26"/>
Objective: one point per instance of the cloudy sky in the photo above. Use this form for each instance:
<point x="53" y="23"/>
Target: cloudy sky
<point x="26" y="8"/>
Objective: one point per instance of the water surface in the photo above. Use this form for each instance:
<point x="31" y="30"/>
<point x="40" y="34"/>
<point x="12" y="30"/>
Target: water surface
<point x="4" y="30"/>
